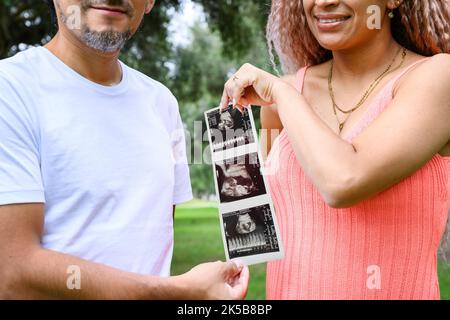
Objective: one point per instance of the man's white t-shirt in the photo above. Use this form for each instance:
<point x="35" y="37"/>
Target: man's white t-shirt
<point x="108" y="162"/>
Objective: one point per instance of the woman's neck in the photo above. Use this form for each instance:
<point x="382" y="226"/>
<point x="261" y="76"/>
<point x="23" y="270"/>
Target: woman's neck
<point x="365" y="60"/>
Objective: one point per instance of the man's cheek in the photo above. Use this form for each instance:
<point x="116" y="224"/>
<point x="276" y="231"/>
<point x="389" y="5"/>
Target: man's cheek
<point x="72" y="16"/>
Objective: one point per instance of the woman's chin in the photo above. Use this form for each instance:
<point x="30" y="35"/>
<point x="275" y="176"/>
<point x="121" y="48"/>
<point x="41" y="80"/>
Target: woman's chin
<point x="333" y="44"/>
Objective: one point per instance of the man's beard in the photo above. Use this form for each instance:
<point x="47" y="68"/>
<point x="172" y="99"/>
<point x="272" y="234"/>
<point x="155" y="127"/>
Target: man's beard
<point x="104" y="41"/>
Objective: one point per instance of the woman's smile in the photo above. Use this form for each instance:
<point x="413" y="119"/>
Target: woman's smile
<point x="330" y="22"/>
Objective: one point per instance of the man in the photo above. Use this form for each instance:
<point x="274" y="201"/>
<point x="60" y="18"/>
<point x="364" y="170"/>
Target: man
<point x="90" y="171"/>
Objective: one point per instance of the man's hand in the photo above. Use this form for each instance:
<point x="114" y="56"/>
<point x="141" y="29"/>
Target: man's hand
<point x="215" y="280"/>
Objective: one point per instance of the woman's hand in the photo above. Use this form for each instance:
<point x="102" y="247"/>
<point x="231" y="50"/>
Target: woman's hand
<point x="251" y="86"/>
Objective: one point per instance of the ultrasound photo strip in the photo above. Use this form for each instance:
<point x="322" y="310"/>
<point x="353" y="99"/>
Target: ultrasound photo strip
<point x="229" y="128"/>
<point x="248" y="222"/>
<point x="230" y="143"/>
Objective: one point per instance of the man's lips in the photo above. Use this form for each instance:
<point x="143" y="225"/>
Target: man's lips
<point x="114" y="11"/>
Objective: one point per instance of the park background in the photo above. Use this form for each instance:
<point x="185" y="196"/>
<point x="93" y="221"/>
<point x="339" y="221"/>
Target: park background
<point x="192" y="46"/>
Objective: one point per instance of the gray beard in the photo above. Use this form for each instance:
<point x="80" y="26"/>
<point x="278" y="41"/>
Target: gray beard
<point x="106" y="41"/>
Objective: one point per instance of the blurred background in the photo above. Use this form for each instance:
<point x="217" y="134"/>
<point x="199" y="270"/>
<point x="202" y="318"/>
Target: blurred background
<point x="192" y="46"/>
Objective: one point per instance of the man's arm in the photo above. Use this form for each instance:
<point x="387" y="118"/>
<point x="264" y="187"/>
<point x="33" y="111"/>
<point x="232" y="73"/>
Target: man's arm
<point x="29" y="271"/>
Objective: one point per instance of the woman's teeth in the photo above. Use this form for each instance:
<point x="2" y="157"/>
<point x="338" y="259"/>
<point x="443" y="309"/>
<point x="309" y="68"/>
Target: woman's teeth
<point x="332" y="20"/>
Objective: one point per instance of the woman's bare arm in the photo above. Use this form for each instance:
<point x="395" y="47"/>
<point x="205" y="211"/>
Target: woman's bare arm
<point x="401" y="140"/>
<point x="413" y="129"/>
<point x="270" y="121"/>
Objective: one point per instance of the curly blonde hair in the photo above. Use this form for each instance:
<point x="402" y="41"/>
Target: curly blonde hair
<point x="421" y="26"/>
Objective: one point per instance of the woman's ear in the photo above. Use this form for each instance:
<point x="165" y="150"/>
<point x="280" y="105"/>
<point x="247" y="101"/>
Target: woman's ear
<point x="394" y="4"/>
<point x="149" y="6"/>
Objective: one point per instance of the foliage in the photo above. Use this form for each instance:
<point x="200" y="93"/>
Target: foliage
<point x="28" y="22"/>
<point x="234" y="34"/>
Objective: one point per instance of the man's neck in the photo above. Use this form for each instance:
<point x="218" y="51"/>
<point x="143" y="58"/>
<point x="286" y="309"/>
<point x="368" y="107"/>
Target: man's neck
<point x="98" y="67"/>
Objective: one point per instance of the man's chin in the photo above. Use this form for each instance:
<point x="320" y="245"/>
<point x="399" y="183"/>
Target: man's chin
<point x="107" y="41"/>
<point x="107" y="29"/>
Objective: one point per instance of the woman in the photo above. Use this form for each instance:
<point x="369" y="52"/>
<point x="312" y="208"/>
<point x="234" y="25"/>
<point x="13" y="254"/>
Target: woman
<point x="361" y="186"/>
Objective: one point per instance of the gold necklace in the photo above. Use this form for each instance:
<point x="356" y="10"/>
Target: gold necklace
<point x="372" y="87"/>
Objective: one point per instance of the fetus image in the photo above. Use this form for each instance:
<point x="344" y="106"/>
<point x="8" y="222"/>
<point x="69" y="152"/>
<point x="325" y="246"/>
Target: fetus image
<point x="239" y="179"/>
<point x="226" y="121"/>
<point x="245" y="224"/>
<point x="250" y="231"/>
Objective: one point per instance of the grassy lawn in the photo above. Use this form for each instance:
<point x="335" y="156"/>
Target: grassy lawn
<point x="198" y="239"/>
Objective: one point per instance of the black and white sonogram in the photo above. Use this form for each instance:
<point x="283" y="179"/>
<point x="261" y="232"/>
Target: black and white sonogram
<point x="250" y="232"/>
<point x="239" y="178"/>
<point x="229" y="128"/>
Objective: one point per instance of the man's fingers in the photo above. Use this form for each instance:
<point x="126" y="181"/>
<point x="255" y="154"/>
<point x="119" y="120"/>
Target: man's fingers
<point x="238" y="289"/>
<point x="232" y="269"/>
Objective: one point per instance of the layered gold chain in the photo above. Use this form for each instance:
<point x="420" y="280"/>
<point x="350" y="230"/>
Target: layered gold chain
<point x="367" y="93"/>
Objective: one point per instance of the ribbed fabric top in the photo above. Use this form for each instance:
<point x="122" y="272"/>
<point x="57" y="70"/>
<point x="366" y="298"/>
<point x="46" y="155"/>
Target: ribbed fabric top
<point x="385" y="247"/>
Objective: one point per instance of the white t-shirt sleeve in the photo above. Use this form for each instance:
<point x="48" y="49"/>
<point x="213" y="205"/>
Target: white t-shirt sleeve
<point x="182" y="190"/>
<point x="20" y="175"/>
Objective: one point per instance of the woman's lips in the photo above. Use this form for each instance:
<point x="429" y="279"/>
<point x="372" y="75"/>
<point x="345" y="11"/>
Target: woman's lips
<point x="330" y="22"/>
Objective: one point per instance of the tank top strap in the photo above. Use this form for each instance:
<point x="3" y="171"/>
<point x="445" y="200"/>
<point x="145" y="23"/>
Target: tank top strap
<point x="393" y="82"/>
<point x="301" y="78"/>
<point x="383" y="98"/>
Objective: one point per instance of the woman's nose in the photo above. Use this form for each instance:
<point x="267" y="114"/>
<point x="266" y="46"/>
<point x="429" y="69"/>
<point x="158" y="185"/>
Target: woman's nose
<point x="325" y="3"/>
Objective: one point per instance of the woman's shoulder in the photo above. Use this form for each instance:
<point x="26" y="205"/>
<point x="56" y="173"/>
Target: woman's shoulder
<point x="440" y="57"/>
<point x="438" y="62"/>
<point x="290" y="78"/>
<point x="434" y="69"/>
<point x="315" y="73"/>
<point x="431" y="61"/>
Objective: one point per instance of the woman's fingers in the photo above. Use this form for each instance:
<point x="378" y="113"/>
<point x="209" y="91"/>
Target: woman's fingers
<point x="240" y="89"/>
<point x="237" y="88"/>
<point x="240" y="108"/>
<point x="232" y="93"/>
<point x="224" y="101"/>
<point x="242" y="85"/>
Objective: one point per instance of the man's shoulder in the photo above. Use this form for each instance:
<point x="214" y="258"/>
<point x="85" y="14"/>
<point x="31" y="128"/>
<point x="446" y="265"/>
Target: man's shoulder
<point x="20" y="67"/>
<point x="167" y="104"/>
<point x="152" y="85"/>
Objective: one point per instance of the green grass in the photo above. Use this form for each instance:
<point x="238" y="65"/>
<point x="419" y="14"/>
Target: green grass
<point x="444" y="281"/>
<point x="198" y="239"/>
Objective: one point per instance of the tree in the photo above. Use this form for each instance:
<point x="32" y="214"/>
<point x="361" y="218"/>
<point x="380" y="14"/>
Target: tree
<point x="22" y="22"/>
<point x="28" y="22"/>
